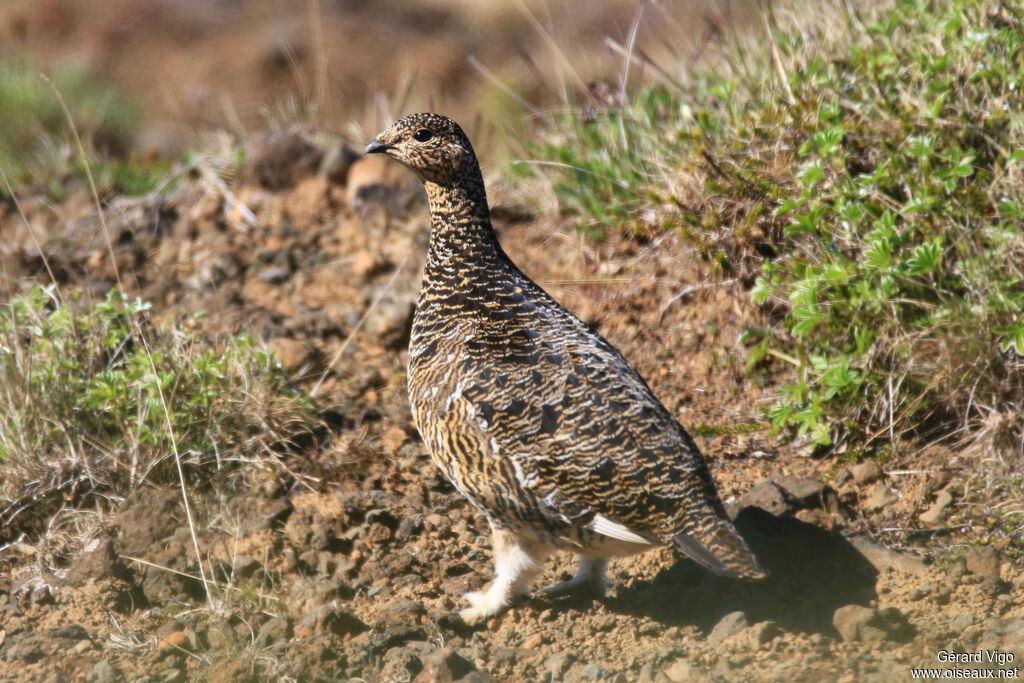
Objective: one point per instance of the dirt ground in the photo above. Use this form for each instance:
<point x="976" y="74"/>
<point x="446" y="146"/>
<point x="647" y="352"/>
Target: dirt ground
<point x="354" y="571"/>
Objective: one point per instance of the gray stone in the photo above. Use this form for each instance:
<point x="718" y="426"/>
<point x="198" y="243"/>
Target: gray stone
<point x="881" y="558"/>
<point x="843" y="476"/>
<point x="866" y="472"/>
<point x="446" y="665"/>
<point x="681" y="671"/>
<point x="104" y="672"/>
<point x="856" y="623"/>
<point x="275" y="630"/>
<point x="881" y="497"/>
<point x="805" y="491"/>
<point x="558" y="664"/>
<point x="729" y="625"/>
<point x="768" y="496"/>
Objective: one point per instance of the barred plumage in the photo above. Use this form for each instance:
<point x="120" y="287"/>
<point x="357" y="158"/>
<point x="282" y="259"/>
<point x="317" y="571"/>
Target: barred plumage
<point x="534" y="417"/>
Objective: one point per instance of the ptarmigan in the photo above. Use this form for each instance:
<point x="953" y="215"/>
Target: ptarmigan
<point x="533" y="416"/>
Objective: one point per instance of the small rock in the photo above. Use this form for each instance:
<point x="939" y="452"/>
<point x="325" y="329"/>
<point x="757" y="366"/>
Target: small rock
<point x="856" y="623"/>
<point x="446" y="665"/>
<point x="593" y="672"/>
<point x="919" y="593"/>
<point x="982" y="560"/>
<point x="804" y="490"/>
<point x="937" y="512"/>
<point x="681" y="671"/>
<point x="104" y="672"/>
<point x="274" y="274"/>
<point x="843" y="476"/>
<point x="1005" y="634"/>
<point x="401" y="664"/>
<point x="558" y="664"/>
<point x="768" y="496"/>
<point x="330" y="618"/>
<point x="32" y="646"/>
<point x="174" y="639"/>
<point x="880" y="497"/>
<point x="275" y="630"/>
<point x="729" y="625"/>
<point x="764" y="632"/>
<point x="98" y="560"/>
<point x="292" y="355"/>
<point x="882" y="558"/>
<point x="532" y="642"/>
<point x="866" y="472"/>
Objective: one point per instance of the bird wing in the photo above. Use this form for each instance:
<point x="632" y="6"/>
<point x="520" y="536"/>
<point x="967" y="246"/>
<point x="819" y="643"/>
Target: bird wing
<point x="581" y="429"/>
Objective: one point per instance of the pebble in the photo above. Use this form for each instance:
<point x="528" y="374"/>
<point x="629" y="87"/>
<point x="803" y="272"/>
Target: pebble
<point x="806" y="491"/>
<point x="856" y="623"/>
<point x="533" y="641"/>
<point x="729" y="625"/>
<point x="104" y="672"/>
<point x="175" y="639"/>
<point x="881" y="497"/>
<point x="557" y="664"/>
<point x="937" y="512"/>
<point x="768" y="496"/>
<point x="866" y="472"/>
<point x="290" y="354"/>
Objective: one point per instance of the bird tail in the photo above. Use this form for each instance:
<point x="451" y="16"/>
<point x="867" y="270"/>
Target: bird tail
<point x="716" y="545"/>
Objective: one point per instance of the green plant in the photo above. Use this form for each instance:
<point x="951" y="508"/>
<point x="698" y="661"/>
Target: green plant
<point x="872" y="199"/>
<point x="82" y="410"/>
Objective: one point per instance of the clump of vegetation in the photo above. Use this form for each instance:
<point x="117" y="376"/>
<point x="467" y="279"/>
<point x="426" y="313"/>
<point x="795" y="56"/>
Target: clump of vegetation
<point x="868" y="186"/>
<point x="87" y="392"/>
<point x="36" y="143"/>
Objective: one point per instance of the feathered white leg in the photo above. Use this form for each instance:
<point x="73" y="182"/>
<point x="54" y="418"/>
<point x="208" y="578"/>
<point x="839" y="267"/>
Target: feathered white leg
<point x="516" y="566"/>
<point x="590" y="578"/>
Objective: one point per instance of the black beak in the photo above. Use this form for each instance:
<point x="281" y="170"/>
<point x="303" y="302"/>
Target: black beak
<point x="376" y="147"/>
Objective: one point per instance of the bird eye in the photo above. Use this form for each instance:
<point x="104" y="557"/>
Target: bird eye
<point x="422" y="135"/>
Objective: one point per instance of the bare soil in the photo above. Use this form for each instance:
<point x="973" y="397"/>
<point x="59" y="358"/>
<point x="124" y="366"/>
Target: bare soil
<point x="354" y="570"/>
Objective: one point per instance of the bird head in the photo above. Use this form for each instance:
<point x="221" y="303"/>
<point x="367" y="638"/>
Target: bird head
<point x="430" y="145"/>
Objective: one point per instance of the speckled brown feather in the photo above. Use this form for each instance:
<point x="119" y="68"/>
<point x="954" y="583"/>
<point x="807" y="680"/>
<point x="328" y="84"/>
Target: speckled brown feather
<point x="532" y="415"/>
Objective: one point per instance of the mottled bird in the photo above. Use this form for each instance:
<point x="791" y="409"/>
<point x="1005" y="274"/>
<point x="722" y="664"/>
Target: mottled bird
<point x="542" y="424"/>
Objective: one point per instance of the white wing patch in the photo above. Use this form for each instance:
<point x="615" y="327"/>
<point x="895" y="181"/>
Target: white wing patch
<point x="612" y="529"/>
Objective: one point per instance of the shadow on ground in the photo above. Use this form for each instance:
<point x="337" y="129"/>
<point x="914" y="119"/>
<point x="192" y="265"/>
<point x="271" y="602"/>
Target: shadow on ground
<point x="812" y="572"/>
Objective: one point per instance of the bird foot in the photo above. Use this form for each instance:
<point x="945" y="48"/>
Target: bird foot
<point x="482" y="605"/>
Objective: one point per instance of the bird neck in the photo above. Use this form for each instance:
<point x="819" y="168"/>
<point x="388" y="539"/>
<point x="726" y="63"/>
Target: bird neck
<point x="460" y="224"/>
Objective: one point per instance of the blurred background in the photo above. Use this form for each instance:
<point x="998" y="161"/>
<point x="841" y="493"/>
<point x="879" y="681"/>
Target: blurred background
<point x="147" y="76"/>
